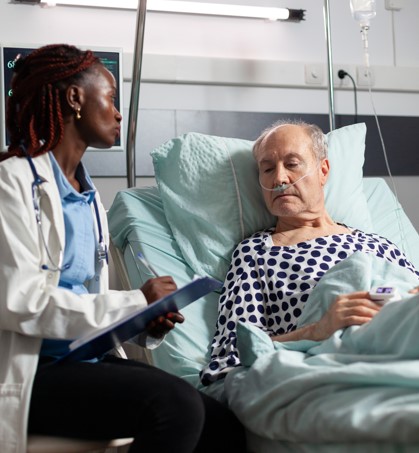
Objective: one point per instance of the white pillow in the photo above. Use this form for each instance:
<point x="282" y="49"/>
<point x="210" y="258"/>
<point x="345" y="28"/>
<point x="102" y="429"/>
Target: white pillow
<point x="345" y="198"/>
<point x="212" y="199"/>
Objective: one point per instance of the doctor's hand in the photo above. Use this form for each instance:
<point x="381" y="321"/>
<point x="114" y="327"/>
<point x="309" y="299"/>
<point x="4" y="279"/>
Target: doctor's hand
<point x="158" y="287"/>
<point x="154" y="289"/>
<point x="162" y="325"/>
<point x="351" y="309"/>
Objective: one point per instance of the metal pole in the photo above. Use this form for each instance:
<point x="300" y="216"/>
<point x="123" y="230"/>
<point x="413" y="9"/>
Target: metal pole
<point x="135" y="92"/>
<point x="326" y="11"/>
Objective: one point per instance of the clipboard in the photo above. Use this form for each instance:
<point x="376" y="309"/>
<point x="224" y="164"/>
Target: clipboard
<point x="101" y="341"/>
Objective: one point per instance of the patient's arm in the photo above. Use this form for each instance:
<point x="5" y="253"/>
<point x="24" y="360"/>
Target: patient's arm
<point x="347" y="310"/>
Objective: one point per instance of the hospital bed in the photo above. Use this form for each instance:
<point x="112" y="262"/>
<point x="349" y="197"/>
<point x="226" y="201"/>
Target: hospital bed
<point x="206" y="200"/>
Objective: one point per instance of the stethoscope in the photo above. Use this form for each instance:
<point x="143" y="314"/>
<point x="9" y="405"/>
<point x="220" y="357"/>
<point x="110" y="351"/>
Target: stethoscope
<point x="102" y="250"/>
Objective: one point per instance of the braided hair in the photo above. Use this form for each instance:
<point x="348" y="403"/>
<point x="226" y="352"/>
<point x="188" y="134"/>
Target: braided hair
<point x="34" y="114"/>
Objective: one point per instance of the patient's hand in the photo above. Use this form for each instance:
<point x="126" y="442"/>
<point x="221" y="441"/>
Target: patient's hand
<point x="154" y="289"/>
<point x="347" y="310"/>
<point x="351" y="309"/>
<point x="414" y="290"/>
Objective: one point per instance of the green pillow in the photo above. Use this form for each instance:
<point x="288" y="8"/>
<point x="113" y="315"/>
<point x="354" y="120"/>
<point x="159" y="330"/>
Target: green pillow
<point x="212" y="199"/>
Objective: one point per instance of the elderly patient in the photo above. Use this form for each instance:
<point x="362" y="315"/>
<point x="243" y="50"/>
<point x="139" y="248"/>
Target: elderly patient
<point x="273" y="272"/>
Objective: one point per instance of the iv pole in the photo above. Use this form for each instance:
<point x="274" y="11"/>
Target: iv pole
<point x="135" y="91"/>
<point x="326" y="11"/>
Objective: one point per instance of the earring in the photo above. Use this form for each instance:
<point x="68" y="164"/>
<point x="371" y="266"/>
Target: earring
<point x="78" y="116"/>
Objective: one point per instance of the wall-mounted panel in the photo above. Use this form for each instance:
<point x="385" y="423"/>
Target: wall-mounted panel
<point x="155" y="127"/>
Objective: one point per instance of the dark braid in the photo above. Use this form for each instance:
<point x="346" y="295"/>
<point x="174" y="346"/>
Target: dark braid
<point x="34" y="111"/>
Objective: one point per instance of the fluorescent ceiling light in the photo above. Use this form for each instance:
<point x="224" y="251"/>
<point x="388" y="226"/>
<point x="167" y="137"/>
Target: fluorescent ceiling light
<point x="188" y="7"/>
<point x="218" y="9"/>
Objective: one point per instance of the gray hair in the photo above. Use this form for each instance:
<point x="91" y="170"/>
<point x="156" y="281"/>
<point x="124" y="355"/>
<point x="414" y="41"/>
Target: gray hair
<point x="318" y="138"/>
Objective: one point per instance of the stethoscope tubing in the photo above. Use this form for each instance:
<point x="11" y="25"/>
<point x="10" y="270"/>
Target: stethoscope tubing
<point x="102" y="251"/>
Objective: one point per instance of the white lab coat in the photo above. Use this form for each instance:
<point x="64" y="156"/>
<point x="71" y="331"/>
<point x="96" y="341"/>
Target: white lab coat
<point x="32" y="306"/>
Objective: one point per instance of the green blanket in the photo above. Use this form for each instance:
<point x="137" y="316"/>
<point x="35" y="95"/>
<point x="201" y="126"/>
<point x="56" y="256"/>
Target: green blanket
<point x="361" y="384"/>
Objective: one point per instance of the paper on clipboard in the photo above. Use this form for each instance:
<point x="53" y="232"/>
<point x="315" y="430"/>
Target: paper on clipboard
<point x="103" y="340"/>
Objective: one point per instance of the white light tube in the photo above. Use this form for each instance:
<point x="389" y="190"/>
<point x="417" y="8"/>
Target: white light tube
<point x="174" y="6"/>
<point x="218" y="9"/>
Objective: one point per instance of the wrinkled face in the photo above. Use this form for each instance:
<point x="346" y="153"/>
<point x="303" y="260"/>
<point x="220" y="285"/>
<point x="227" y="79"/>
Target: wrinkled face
<point x="99" y="125"/>
<point x="285" y="156"/>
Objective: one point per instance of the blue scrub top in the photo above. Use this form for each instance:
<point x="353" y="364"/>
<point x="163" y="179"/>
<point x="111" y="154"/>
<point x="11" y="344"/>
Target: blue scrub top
<point x="81" y="244"/>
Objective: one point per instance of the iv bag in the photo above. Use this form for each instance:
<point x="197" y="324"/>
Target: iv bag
<point x="363" y="11"/>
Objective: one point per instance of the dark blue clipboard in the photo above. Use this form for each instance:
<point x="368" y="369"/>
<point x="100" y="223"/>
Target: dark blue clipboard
<point x="103" y="340"/>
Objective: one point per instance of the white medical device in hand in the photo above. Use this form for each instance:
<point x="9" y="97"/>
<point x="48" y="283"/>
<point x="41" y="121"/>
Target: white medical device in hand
<point x="383" y="294"/>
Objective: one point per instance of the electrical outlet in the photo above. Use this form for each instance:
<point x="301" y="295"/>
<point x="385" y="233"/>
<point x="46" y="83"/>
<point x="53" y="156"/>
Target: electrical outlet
<point x="337" y="81"/>
<point x="364" y="76"/>
<point x="394" y="5"/>
<point x="314" y="74"/>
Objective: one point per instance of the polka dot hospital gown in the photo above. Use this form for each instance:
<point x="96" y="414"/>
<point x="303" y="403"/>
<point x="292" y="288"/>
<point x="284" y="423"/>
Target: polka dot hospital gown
<point x="268" y="286"/>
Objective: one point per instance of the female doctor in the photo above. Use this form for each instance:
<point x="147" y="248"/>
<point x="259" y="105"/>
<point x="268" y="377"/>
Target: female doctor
<point x="54" y="279"/>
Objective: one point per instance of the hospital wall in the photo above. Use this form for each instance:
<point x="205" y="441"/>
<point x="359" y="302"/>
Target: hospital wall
<point x="199" y="63"/>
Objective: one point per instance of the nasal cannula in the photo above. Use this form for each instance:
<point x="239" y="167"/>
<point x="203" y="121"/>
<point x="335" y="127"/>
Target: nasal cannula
<point x="283" y="187"/>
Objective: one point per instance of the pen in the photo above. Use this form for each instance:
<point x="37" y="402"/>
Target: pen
<point x="146" y="264"/>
